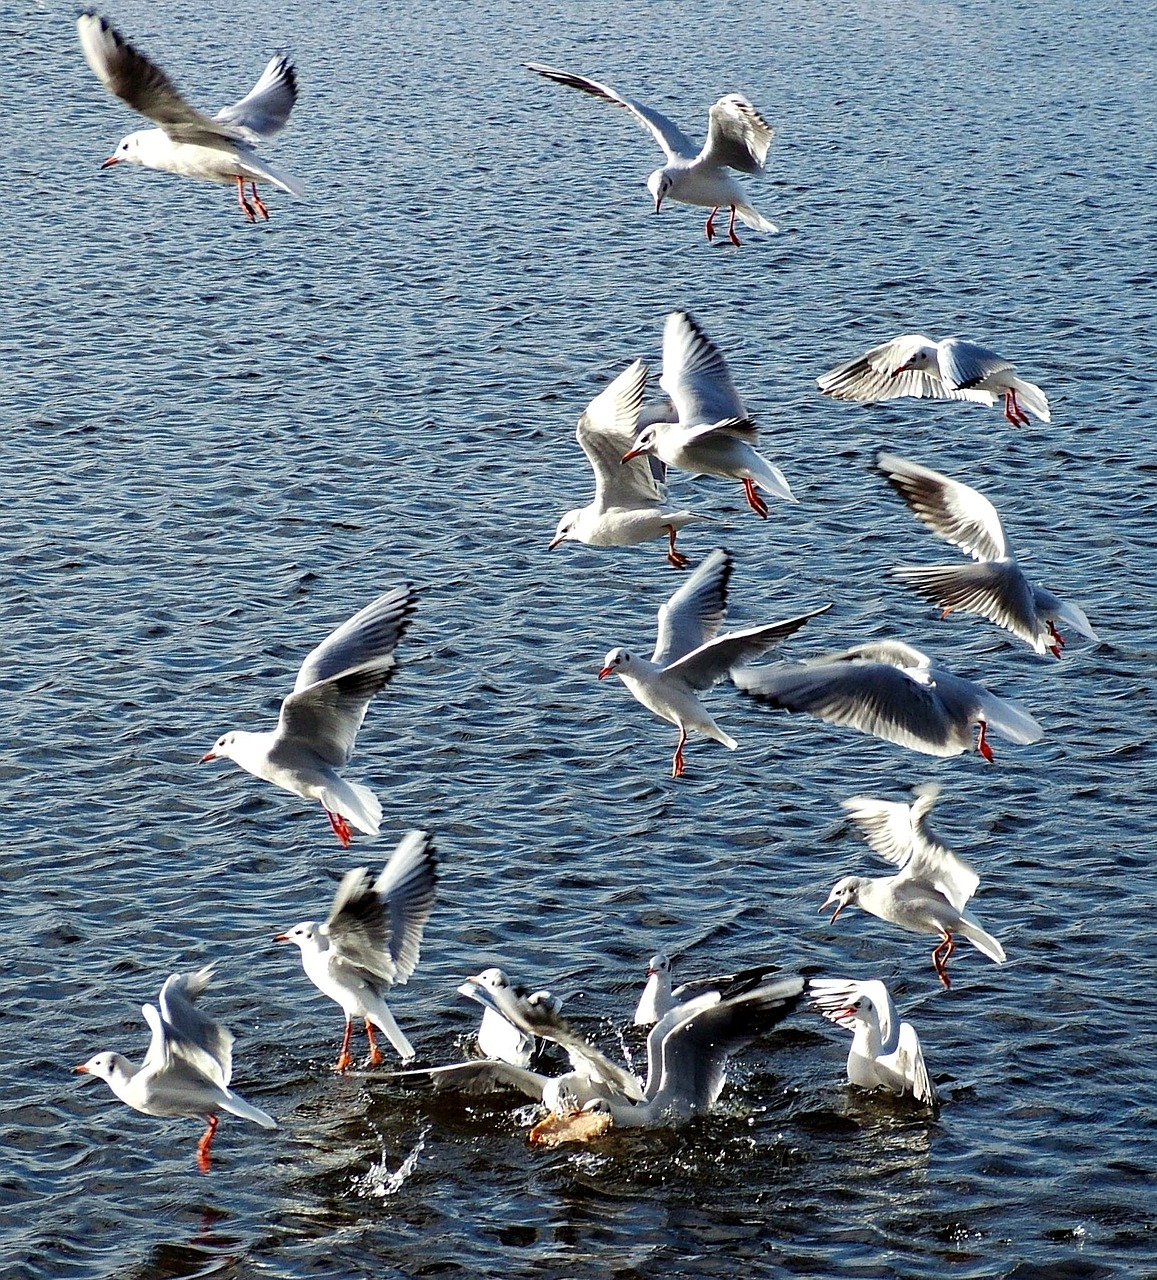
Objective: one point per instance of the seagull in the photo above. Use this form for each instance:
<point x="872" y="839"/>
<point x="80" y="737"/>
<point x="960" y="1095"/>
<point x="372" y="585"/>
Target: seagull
<point x="220" y="149"/>
<point x="932" y="888"/>
<point x="628" y="506"/>
<point x="885" y="1052"/>
<point x="500" y="1040"/>
<point x="370" y="941"/>
<point x="687" y="1053"/>
<point x="690" y="656"/>
<point x="952" y="369"/>
<point x="711" y="433"/>
<point x="658" y="998"/>
<point x="995" y="586"/>
<point x="320" y="719"/>
<point x="188" y="1065"/>
<point x="737" y="138"/>
<point x="892" y="691"/>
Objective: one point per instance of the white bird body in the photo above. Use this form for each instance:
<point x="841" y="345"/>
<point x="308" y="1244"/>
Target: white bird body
<point x="690" y="656"/>
<point x="952" y="369"/>
<point x="994" y="586"/>
<point x="189" y="143"/>
<point x="929" y="893"/>
<point x="188" y="1067"/>
<point x="371" y="940"/>
<point x="737" y="138"/>
<point x="885" y="1052"/>
<point x="629" y="503"/>
<point x="320" y="719"/>
<point x="893" y="691"/>
<point x="711" y="433"/>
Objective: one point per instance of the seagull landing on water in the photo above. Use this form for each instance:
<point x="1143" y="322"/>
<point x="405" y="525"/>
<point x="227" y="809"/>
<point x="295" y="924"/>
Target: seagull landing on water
<point x="220" y="149"/>
<point x="707" y="431"/>
<point x="371" y="941"/>
<point x="629" y="499"/>
<point x="995" y="586"/>
<point x="931" y="890"/>
<point x="952" y="369"/>
<point x="187" y="1068"/>
<point x="737" y="138"/>
<point x="690" y="656"/>
<point x="885" y="1052"/>
<point x="320" y="719"/>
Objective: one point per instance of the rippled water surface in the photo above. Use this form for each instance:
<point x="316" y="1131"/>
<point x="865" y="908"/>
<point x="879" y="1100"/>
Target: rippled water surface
<point x="219" y="440"/>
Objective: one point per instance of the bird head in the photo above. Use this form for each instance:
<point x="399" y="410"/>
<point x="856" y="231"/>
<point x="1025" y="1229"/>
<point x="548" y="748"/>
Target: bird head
<point x="222" y="749"/>
<point x="844" y="893"/>
<point x="305" y="934"/>
<point x="645" y="442"/>
<point x="658" y="963"/>
<point x="618" y="660"/>
<point x="566" y="527"/>
<point x="102" y="1066"/>
<point x="658" y="184"/>
<point x="128" y="150"/>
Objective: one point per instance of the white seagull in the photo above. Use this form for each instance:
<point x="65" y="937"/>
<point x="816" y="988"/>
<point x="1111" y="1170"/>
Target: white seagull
<point x="320" y="719"/>
<point x="687" y="1053"/>
<point x="737" y="138"/>
<point x="188" y="1065"/>
<point x="659" y="998"/>
<point x="892" y="691"/>
<point x="995" y="585"/>
<point x="220" y="149"/>
<point x="629" y="501"/>
<point x="371" y="940"/>
<point x="931" y="890"/>
<point x="952" y="369"/>
<point x="690" y="656"/>
<point x="885" y="1052"/>
<point x="711" y="433"/>
<point x="499" y="1039"/>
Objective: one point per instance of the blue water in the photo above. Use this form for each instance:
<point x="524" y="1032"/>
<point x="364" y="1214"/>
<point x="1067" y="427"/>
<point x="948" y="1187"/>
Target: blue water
<point x="220" y="440"/>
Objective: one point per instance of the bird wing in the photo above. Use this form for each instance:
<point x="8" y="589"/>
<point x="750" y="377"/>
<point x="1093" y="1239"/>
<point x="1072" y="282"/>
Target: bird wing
<point x="190" y="1035"/>
<point x="712" y="661"/>
<point x="953" y="511"/>
<point x="964" y="363"/>
<point x="139" y="82"/>
<point x="909" y="1062"/>
<point x="932" y="864"/>
<point x="737" y="135"/>
<point x="693" y="615"/>
<point x="873" y="376"/>
<point x="340" y="676"/>
<point x="892" y="828"/>
<point x="900" y="704"/>
<point x="486" y="1075"/>
<point x="667" y="134"/>
<point x="994" y="589"/>
<point x="606" y="431"/>
<point x="696" y="376"/>
<point x="265" y="109"/>
<point x="407" y="887"/>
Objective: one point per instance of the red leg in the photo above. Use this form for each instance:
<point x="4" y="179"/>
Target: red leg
<point x="945" y="614"/>
<point x="246" y="207"/>
<point x="1012" y="411"/>
<point x="205" y="1143"/>
<point x="944" y="949"/>
<point x="677" y="763"/>
<point x="754" y="501"/>
<point x="375" y="1052"/>
<point x="1058" y="640"/>
<point x="676" y="558"/>
<point x="982" y="743"/>
<point x="344" y="1058"/>
<point x="731" y="229"/>
<point x="257" y="200"/>
<point x="709" y="225"/>
<point x="341" y="828"/>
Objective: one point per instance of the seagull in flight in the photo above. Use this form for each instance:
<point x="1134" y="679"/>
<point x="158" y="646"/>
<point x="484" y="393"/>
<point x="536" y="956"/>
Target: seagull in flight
<point x="188" y="1065"/>
<point x="737" y="138"/>
<point x="994" y="586"/>
<point x="320" y="719"/>
<point x="221" y="149"/>
<point x="690" y="656"/>
<point x="371" y="940"/>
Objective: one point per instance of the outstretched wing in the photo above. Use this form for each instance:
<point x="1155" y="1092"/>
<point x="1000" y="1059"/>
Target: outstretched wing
<point x="737" y="135"/>
<point x="714" y="660"/>
<point x="953" y="511"/>
<point x="696" y="376"/>
<point x="265" y="109"/>
<point x="694" y="614"/>
<point x="606" y="431"/>
<point x="876" y="375"/>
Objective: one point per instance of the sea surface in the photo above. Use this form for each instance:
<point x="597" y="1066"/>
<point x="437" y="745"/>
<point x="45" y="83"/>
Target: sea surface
<point x="217" y="441"/>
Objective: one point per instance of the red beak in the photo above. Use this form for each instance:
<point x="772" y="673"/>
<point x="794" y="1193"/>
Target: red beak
<point x="281" y="937"/>
<point x="207" y="757"/>
<point x="839" y="907"/>
<point x="607" y="671"/>
<point x="634" y="453"/>
<point x="108" y="164"/>
<point x="82" y="1069"/>
<point x="658" y="203"/>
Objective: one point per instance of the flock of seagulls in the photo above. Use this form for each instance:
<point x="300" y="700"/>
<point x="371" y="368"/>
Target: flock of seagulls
<point x="370" y="940"/>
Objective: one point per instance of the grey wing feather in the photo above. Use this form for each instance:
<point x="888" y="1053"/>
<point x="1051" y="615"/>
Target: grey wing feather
<point x="871" y="377"/>
<point x="606" y="431"/>
<point x="192" y="1035"/>
<point x="408" y="886"/>
<point x="140" y="83"/>
<point x="486" y="1075"/>
<point x="361" y="641"/>
<point x="694" y="614"/>
<point x="964" y="363"/>
<point x="910" y="1061"/>
<point x="712" y="661"/>
<point x="996" y="590"/>
<point x="665" y="132"/>
<point x="265" y="109"/>
<point x="695" y="374"/>
<point x="737" y="135"/>
<point x="953" y="511"/>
